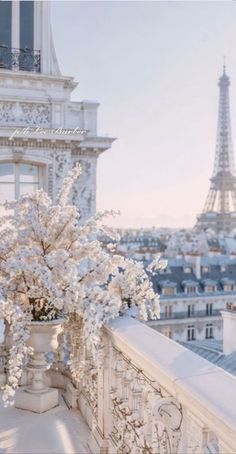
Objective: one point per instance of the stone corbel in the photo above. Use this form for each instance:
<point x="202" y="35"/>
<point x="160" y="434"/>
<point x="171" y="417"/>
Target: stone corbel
<point x="17" y="154"/>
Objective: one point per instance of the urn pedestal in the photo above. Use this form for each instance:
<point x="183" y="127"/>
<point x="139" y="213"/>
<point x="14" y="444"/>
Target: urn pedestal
<point x="37" y="397"/>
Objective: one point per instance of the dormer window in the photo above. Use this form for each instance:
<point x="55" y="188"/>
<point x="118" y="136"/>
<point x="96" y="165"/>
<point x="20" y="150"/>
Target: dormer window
<point x="209" y="285"/>
<point x="190" y="286"/>
<point x="210" y="288"/>
<point x="223" y="268"/>
<point x="228" y="287"/>
<point x="228" y="284"/>
<point x="168" y="291"/>
<point x="190" y="289"/>
<point x="205" y="269"/>
<point x="187" y="269"/>
<point x="168" y="287"/>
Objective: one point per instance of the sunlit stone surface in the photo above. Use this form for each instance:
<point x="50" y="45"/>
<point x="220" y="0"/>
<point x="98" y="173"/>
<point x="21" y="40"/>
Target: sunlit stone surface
<point x="57" y="431"/>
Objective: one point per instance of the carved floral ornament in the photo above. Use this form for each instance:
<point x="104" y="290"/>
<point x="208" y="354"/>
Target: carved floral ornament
<point x="144" y="417"/>
<point x="34" y="114"/>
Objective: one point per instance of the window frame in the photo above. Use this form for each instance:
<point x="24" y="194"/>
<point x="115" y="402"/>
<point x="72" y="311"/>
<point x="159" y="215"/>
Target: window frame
<point x="191" y="289"/>
<point x="168" y="311"/>
<point x="209" y="309"/>
<point x="209" y="334"/>
<point x="191" y="310"/>
<point x="16" y="175"/>
<point x="168" y="290"/>
<point x="190" y="332"/>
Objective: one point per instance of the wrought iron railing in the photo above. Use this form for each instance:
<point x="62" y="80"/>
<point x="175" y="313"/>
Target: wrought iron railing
<point x="186" y="315"/>
<point x="19" y="59"/>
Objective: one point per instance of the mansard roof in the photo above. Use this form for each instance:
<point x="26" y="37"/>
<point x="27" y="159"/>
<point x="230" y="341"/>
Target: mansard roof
<point x="216" y="275"/>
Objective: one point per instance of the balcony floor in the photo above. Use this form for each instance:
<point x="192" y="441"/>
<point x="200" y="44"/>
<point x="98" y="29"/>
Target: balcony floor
<point x="57" y="431"/>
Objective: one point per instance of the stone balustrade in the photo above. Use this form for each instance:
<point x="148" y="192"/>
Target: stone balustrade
<point x="154" y="396"/>
<point x="148" y="395"/>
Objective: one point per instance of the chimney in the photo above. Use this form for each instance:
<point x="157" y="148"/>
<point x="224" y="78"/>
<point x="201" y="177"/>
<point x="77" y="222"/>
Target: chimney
<point x="195" y="261"/>
<point x="229" y="329"/>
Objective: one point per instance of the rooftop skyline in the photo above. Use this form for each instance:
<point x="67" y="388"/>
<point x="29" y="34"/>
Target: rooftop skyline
<point x="154" y="67"/>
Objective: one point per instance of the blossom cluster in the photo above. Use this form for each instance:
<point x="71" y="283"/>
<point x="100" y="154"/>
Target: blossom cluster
<point x="52" y="266"/>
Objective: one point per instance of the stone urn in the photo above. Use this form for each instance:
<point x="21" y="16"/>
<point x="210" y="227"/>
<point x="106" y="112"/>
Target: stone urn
<point x="43" y="339"/>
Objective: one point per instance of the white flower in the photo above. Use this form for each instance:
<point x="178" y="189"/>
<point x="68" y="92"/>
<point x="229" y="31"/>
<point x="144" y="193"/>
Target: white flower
<point x="51" y="266"/>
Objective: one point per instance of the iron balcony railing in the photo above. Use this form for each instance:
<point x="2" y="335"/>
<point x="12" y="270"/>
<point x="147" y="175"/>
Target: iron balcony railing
<point x="186" y="315"/>
<point x="19" y="59"/>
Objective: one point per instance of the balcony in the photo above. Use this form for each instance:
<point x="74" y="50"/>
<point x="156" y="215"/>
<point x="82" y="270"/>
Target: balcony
<point x="150" y="395"/>
<point x="19" y="59"/>
<point x="185" y="315"/>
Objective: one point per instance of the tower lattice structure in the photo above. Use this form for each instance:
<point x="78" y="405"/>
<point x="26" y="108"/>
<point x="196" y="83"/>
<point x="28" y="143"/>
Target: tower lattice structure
<point x="219" y="212"/>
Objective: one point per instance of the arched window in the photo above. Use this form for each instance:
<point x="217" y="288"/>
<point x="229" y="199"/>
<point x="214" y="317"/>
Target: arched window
<point x="18" y="179"/>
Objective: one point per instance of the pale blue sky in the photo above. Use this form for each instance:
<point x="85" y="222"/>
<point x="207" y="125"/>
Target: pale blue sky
<point x="153" y="66"/>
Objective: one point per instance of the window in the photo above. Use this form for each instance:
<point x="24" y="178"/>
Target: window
<point x="209" y="331"/>
<point x="205" y="269"/>
<point x="190" y="289"/>
<point x="210" y="288"/>
<point x="168" y="291"/>
<point x="191" y="332"/>
<point x="5" y="33"/>
<point x="190" y="310"/>
<point x="187" y="269"/>
<point x="209" y="308"/>
<point x="5" y="23"/>
<point x="168" y="311"/>
<point x="26" y="24"/>
<point x="26" y="35"/>
<point x="228" y="287"/>
<point x="18" y="179"/>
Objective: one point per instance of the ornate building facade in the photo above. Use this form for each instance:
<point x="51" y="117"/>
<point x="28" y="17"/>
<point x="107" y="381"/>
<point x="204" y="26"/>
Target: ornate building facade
<point x="193" y="292"/>
<point x="43" y="133"/>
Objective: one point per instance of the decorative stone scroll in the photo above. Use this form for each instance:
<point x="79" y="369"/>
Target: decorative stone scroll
<point x="144" y="417"/>
<point x="25" y="114"/>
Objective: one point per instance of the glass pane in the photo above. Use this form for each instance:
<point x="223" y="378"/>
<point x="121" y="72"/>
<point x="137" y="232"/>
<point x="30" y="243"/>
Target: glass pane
<point x="26" y="35"/>
<point x="7" y="192"/>
<point x="5" y="23"/>
<point x="29" y="173"/>
<point x="7" y="173"/>
<point x="5" y="34"/>
<point x="27" y="188"/>
<point x="26" y="24"/>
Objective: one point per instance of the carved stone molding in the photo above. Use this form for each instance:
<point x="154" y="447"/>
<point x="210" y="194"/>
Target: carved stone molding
<point x="144" y="417"/>
<point x="25" y="114"/>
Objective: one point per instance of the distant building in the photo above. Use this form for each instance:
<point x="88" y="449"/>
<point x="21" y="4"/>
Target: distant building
<point x="193" y="292"/>
<point x="140" y="244"/>
<point x="222" y="353"/>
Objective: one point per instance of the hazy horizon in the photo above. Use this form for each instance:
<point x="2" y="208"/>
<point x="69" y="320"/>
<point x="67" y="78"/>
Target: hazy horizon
<point x="154" y="67"/>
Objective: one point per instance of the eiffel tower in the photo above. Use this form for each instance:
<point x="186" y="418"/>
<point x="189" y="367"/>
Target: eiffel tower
<point x="219" y="212"/>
